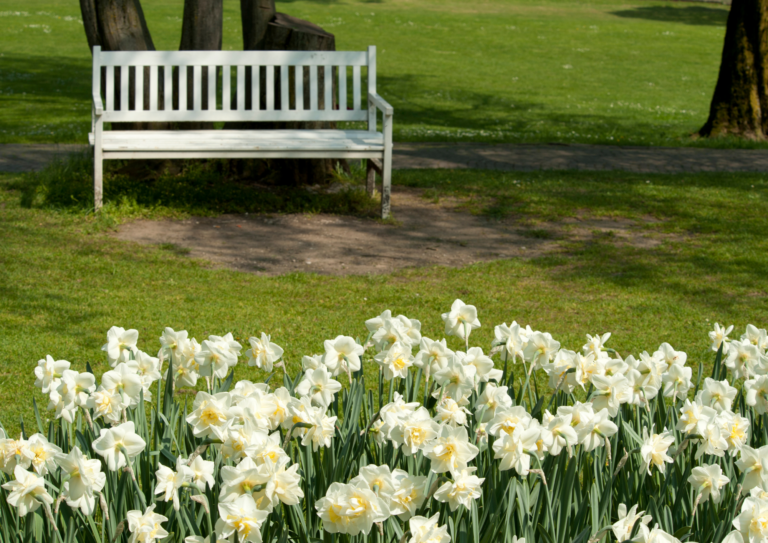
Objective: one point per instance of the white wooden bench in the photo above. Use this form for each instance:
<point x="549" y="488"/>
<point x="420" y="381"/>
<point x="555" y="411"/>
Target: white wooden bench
<point x="139" y="86"/>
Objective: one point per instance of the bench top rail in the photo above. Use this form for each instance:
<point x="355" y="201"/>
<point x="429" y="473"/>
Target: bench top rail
<point x="222" y="86"/>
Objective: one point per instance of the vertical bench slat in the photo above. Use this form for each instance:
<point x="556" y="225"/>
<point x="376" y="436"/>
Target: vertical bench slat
<point x="110" y="102"/>
<point x="328" y="73"/>
<point x="371" y="87"/>
<point x="197" y="91"/>
<point x="284" y="91"/>
<point x="255" y="88"/>
<point x="153" y="87"/>
<point x="356" y="88"/>
<point x="138" y="105"/>
<point x="313" y="88"/>
<point x="342" y="88"/>
<point x="124" y="96"/>
<point x="270" y="88"/>
<point x="167" y="88"/>
<point x="299" y="75"/>
<point x="211" y="88"/>
<point x="241" y="88"/>
<point x="226" y="90"/>
<point x="182" y="88"/>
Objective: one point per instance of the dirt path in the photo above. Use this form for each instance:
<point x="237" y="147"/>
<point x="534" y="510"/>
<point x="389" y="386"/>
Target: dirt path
<point x="427" y="235"/>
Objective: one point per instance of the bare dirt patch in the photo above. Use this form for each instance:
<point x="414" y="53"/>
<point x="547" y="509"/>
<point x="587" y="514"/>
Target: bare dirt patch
<point x="425" y="234"/>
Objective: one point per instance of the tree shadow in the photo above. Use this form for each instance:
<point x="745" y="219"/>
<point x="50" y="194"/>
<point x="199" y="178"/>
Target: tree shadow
<point x="689" y="15"/>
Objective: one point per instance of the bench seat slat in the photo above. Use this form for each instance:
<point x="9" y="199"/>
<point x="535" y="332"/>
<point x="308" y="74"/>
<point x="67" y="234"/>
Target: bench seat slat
<point x="233" y="58"/>
<point x="242" y="140"/>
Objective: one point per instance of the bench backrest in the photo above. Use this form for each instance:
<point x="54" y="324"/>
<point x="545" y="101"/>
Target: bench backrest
<point x="233" y="85"/>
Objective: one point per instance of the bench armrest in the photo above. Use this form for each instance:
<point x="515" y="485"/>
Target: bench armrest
<point x="380" y="103"/>
<point x="98" y="107"/>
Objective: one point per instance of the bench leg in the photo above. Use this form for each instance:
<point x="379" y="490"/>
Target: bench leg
<point x="97" y="177"/>
<point x="386" y="182"/>
<point x="370" y="177"/>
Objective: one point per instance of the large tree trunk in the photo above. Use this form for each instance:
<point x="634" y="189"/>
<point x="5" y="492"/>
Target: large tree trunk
<point x="286" y="33"/>
<point x="255" y="15"/>
<point x="201" y="30"/>
<point x="740" y="103"/>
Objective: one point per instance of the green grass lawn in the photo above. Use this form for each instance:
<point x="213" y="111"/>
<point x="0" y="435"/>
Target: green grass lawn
<point x="603" y="71"/>
<point x="64" y="281"/>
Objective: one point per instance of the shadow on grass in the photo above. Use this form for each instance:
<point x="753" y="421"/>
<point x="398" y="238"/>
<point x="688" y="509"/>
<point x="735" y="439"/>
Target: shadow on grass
<point x="689" y="15"/>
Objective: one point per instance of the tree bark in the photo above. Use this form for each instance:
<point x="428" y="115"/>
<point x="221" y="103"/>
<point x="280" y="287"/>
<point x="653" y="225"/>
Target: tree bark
<point x="201" y="30"/>
<point x="286" y="33"/>
<point x="740" y="102"/>
<point x="256" y="15"/>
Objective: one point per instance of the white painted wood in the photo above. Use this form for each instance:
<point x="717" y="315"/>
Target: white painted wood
<point x="98" y="106"/>
<point x="138" y="103"/>
<point x="241" y="88"/>
<point x="255" y="88"/>
<point x="182" y="91"/>
<point x="299" y="87"/>
<point x="356" y="87"/>
<point x="270" y="88"/>
<point x="226" y="91"/>
<point x="233" y="58"/>
<point x="371" y="87"/>
<point x="211" y="88"/>
<point x="328" y="87"/>
<point x="153" y="87"/>
<point x="386" y="166"/>
<point x="380" y="103"/>
<point x="234" y="115"/>
<point x="126" y="155"/>
<point x="197" y="89"/>
<point x="284" y="90"/>
<point x="168" y="88"/>
<point x="124" y="96"/>
<point x="342" y="88"/>
<point x="313" y="88"/>
<point x="110" y="98"/>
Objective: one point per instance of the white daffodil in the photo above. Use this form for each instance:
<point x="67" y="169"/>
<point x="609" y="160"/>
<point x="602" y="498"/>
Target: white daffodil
<point x="64" y="410"/>
<point x="395" y="361"/>
<point x="48" y="373"/>
<point x="75" y="388"/>
<point x="169" y="482"/>
<point x="27" y="491"/>
<point x="172" y="344"/>
<point x="753" y="463"/>
<point x="456" y="378"/>
<point x="596" y="344"/>
<point x="719" y="336"/>
<point x="106" y="404"/>
<point x="263" y="352"/>
<point x="506" y="420"/>
<point x="390" y="332"/>
<point x="623" y="527"/>
<point x="708" y="480"/>
<point x="540" y="349"/>
<point x="654" y="449"/>
<point x="657" y="535"/>
<point x="562" y="371"/>
<point x="756" y="336"/>
<point x="208" y="412"/>
<point x="376" y="478"/>
<point x="557" y="432"/>
<point x="460" y="320"/>
<point x="241" y="480"/>
<point x="512" y="339"/>
<point x="148" y="369"/>
<point x="125" y="382"/>
<point x="202" y="471"/>
<point x="677" y="381"/>
<point x="45" y="453"/>
<point x="484" y="370"/>
<point x="490" y="400"/>
<point x="610" y="393"/>
<point x="412" y="329"/>
<point x="752" y="522"/>
<point x="756" y="394"/>
<point x="743" y="359"/>
<point x="432" y="356"/>
<point x="146" y="527"/>
<point x="448" y="411"/>
<point x="116" y="443"/>
<point x="667" y="354"/>
<point x="464" y="488"/>
<point x="409" y="494"/>
<point x="280" y="399"/>
<point x="717" y="394"/>
<point x="283" y="483"/>
<point x="451" y="450"/>
<point x="322" y="431"/>
<point x="735" y="430"/>
<point x="257" y="408"/>
<point x="186" y="369"/>
<point x="15" y="452"/>
<point x="377" y="322"/>
<point x="592" y="430"/>
<point x="332" y="507"/>
<point x="342" y="355"/>
<point x="241" y="519"/>
<point x="414" y="431"/>
<point x="363" y="508"/>
<point x="215" y="358"/>
<point x="513" y="449"/>
<point x="121" y="344"/>
<point x="651" y="368"/>
<point x="691" y="413"/>
<point x="269" y="449"/>
<point x="586" y="369"/>
<point x="713" y="440"/>
<point x="318" y="385"/>
<point x="85" y="478"/>
<point x="426" y="530"/>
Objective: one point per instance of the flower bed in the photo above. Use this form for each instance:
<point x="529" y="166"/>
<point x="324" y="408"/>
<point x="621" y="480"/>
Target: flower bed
<point x="452" y="448"/>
